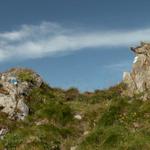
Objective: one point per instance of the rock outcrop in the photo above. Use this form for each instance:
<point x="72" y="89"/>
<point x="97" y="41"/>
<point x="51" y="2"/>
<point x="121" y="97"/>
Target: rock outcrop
<point x="138" y="80"/>
<point x="15" y="85"/>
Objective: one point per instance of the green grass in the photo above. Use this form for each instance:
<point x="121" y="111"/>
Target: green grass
<point x="113" y="121"/>
<point x="26" y="76"/>
<point x="116" y="128"/>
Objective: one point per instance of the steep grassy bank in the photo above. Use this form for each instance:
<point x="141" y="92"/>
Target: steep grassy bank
<point x="107" y="121"/>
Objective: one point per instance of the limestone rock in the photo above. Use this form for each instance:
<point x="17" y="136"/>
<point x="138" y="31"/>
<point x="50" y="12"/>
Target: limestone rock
<point x="138" y="80"/>
<point x="73" y="148"/>
<point x="86" y="133"/>
<point x="23" y="109"/>
<point x="3" y="131"/>
<point x="13" y="91"/>
<point x="78" y="117"/>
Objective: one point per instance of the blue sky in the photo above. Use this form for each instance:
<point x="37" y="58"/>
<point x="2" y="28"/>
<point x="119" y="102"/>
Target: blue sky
<point x="83" y="44"/>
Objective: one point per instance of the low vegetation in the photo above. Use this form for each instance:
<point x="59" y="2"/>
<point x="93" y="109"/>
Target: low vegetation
<point x="26" y="76"/>
<point x="109" y="121"/>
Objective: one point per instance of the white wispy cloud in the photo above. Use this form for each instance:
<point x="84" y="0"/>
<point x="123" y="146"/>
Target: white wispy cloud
<point x="47" y="39"/>
<point x="120" y="66"/>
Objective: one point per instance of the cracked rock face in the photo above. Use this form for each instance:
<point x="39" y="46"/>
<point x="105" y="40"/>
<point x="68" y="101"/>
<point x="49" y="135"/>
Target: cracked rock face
<point x="138" y="80"/>
<point x="13" y="92"/>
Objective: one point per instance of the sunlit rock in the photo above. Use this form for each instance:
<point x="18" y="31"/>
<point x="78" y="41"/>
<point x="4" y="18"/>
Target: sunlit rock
<point x="138" y="80"/>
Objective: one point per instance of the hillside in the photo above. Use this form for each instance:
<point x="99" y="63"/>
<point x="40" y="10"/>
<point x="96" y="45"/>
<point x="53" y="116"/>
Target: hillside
<point x="35" y="116"/>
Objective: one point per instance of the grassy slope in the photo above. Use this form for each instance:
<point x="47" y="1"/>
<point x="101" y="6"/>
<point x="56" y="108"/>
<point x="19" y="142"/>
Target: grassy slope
<point x="109" y="121"/>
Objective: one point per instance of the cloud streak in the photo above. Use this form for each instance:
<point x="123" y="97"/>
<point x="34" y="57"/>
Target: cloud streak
<point x="120" y="66"/>
<point x="47" y="39"/>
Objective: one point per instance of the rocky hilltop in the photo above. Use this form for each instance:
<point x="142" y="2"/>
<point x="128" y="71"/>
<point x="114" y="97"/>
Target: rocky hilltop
<point x="35" y="116"/>
<point x="138" y="80"/>
<point x="15" y="85"/>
